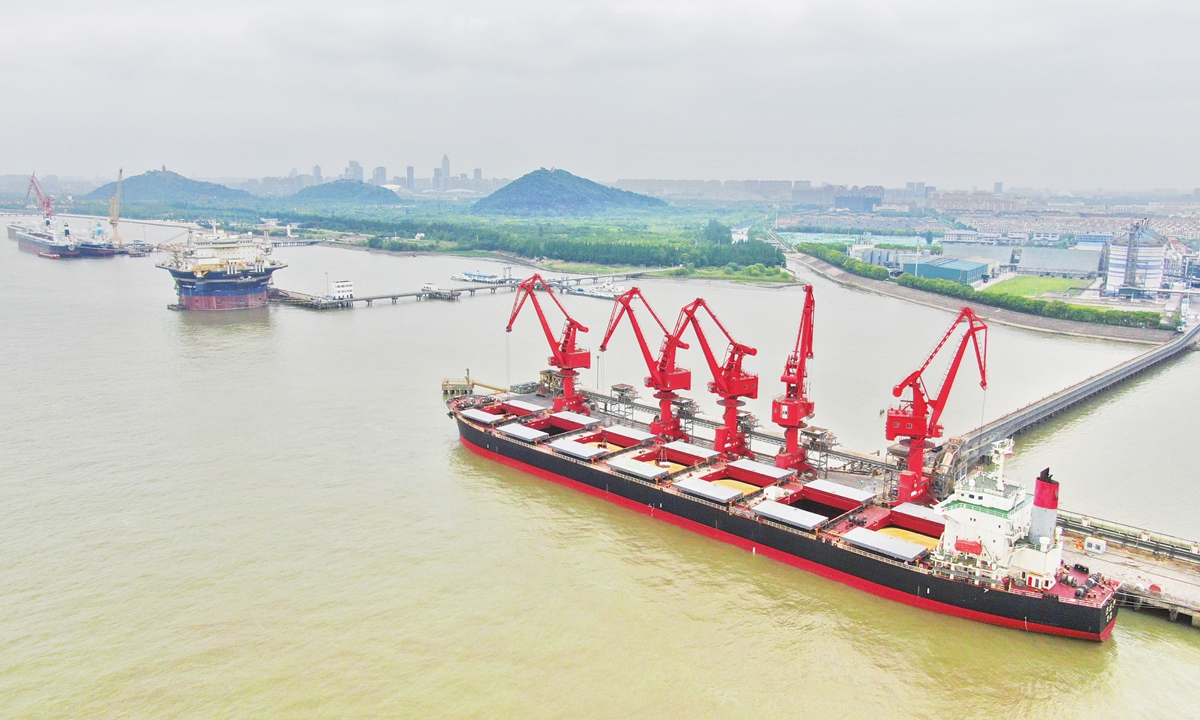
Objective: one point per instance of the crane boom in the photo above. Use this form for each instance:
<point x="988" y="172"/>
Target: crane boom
<point x="564" y="354"/>
<point x="791" y="409"/>
<point x="729" y="381"/>
<point x="114" y="209"/>
<point x="918" y="419"/>
<point x="664" y="377"/>
<point x="45" y="200"/>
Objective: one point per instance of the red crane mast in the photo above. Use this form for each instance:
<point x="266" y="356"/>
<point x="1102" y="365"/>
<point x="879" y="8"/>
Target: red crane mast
<point x="45" y="199"/>
<point x="566" y="356"/>
<point x="790" y="410"/>
<point x="664" y="377"/>
<point x="917" y="419"/>
<point x="729" y="380"/>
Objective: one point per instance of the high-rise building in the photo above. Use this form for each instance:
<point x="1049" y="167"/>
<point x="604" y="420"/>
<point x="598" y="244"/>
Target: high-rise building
<point x="998" y="189"/>
<point x="445" y="171"/>
<point x="354" y="171"/>
<point x="317" y="175"/>
<point x="439" y="182"/>
<point x="411" y="180"/>
<point x="379" y="177"/>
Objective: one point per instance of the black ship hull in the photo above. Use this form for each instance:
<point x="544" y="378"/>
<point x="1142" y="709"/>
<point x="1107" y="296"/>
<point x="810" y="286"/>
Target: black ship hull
<point x="885" y="578"/>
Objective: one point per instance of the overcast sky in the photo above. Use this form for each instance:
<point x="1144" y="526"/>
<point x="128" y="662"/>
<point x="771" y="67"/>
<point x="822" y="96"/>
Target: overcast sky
<point x="957" y="94"/>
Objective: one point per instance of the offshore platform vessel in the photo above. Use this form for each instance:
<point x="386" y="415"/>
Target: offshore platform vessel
<point x="990" y="551"/>
<point x="218" y="271"/>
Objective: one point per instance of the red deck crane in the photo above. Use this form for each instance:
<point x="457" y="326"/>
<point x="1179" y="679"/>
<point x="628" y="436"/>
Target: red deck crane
<point x="790" y="410"/>
<point x="729" y="380"/>
<point x="664" y="377"/>
<point x="45" y="199"/>
<point x="917" y="419"/>
<point x="566" y="356"/>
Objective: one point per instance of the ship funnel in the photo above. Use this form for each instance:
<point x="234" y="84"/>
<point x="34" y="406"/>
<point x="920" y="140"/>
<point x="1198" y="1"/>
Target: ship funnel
<point x="1044" y="517"/>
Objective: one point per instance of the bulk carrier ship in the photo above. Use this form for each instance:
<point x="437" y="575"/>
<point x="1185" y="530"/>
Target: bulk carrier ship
<point x="989" y="551"/>
<point x="217" y="271"/>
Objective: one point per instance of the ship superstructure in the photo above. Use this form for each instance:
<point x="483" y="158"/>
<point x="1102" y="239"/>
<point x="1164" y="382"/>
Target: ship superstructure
<point x="219" y="271"/>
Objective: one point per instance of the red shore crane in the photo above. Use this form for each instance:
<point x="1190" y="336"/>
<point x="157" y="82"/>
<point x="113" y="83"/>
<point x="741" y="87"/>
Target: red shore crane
<point x="917" y="419"/>
<point x="45" y="199"/>
<point x="790" y="410"/>
<point x="729" y="380"/>
<point x="566" y="356"/>
<point x="664" y="377"/>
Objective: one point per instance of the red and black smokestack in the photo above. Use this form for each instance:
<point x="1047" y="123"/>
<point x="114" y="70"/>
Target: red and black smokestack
<point x="1045" y="508"/>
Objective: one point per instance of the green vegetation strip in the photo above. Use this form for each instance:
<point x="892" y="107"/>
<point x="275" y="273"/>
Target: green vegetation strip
<point x="1046" y="308"/>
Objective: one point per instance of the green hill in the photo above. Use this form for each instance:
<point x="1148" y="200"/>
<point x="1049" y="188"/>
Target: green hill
<point x="346" y="192"/>
<point x="167" y="187"/>
<point x="558" y="192"/>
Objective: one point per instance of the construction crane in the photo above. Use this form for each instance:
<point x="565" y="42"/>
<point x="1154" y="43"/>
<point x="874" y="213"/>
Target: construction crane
<point x="566" y="356"/>
<point x="45" y="200"/>
<point x="664" y="377"/>
<point x="790" y="410"/>
<point x="114" y="210"/>
<point x="729" y="380"/>
<point x="917" y="418"/>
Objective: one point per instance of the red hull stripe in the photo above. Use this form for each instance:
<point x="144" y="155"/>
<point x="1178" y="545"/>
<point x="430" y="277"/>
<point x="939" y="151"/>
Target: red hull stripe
<point x="826" y="572"/>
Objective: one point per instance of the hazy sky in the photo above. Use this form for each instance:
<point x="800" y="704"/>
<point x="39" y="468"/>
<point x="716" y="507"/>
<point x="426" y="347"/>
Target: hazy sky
<point x="1064" y="94"/>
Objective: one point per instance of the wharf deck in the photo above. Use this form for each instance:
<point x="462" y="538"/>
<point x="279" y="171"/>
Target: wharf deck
<point x="1177" y="581"/>
<point x="316" y="302"/>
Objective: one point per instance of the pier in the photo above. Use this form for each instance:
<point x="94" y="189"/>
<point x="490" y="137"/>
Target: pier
<point x="318" y="302"/>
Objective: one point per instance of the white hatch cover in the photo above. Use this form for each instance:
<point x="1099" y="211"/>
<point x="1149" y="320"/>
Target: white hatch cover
<point x="707" y="490"/>
<point x="788" y="515"/>
<point x="526" y="406"/>
<point x="576" y="449"/>
<point x="480" y="416"/>
<point x="644" y="470"/>
<point x="885" y="544"/>
<point x="638" y="436"/>
<point x="522" y="432"/>
<point x="858" y="496"/>
<point x="919" y="511"/>
<point x="758" y="468"/>
<point x="690" y="449"/>
<point x="576" y="418"/>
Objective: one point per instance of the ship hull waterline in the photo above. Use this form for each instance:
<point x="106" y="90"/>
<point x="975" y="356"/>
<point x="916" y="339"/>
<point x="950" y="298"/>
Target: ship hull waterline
<point x="220" y="292"/>
<point x="862" y="572"/>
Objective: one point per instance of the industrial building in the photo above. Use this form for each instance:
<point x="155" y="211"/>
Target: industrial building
<point x="999" y="254"/>
<point x="945" y="268"/>
<point x="1081" y="263"/>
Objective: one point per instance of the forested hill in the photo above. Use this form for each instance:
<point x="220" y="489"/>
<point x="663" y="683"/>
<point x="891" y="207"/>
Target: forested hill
<point x="558" y="192"/>
<point x="167" y="187"/>
<point x="345" y="192"/>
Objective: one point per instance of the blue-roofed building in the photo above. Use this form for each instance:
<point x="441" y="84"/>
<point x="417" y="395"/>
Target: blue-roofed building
<point x="945" y="268"/>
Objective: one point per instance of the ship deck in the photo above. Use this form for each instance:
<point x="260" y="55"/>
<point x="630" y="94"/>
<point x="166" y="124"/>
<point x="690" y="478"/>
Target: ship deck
<point x="840" y="509"/>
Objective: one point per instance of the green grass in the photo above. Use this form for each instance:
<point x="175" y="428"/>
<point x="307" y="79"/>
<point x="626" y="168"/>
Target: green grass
<point x="1034" y="286"/>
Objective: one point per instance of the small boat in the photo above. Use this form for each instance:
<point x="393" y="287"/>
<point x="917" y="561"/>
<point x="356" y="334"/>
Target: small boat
<point x="50" y="255"/>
